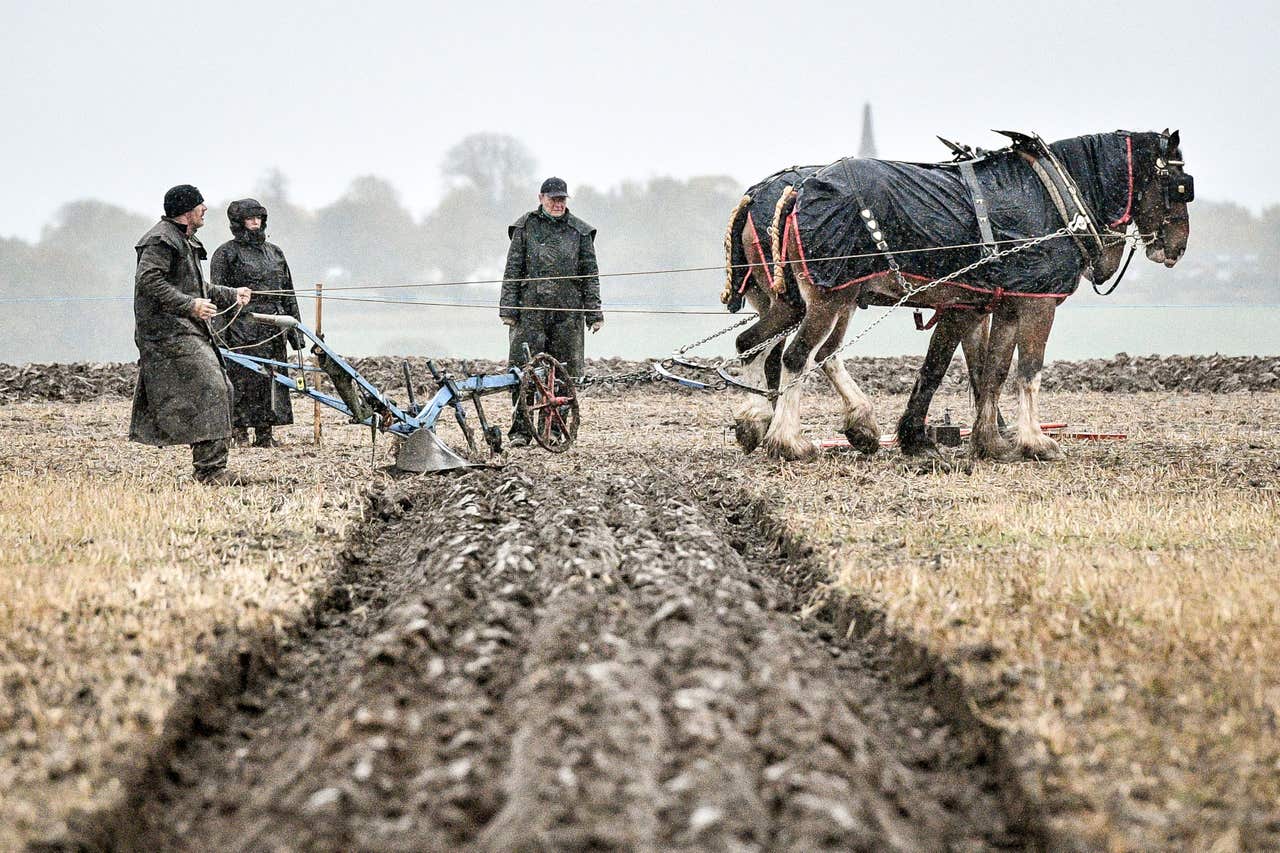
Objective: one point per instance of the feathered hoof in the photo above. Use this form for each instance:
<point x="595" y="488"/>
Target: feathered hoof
<point x="798" y="449"/>
<point x="1046" y="450"/>
<point x="996" y="449"/>
<point x="864" y="439"/>
<point x="919" y="449"/>
<point x="749" y="433"/>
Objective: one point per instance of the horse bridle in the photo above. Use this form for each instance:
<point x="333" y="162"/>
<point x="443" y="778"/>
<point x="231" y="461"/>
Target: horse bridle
<point x="1175" y="187"/>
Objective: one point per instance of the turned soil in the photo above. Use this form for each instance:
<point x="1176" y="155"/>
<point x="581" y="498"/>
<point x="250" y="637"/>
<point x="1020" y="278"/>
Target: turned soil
<point x="528" y="658"/>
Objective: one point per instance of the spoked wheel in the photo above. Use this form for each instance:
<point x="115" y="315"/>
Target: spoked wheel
<point x="549" y="403"/>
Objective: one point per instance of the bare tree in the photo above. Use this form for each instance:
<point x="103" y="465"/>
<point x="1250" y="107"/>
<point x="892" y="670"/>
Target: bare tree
<point x="497" y="165"/>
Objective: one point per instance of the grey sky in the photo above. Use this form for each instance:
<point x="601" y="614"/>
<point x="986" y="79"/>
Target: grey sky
<point x="120" y="101"/>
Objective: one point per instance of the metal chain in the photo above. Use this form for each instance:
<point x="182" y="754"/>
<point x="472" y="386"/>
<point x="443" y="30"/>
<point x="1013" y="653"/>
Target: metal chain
<point x="635" y="377"/>
<point x="711" y="337"/>
<point x="1065" y="231"/>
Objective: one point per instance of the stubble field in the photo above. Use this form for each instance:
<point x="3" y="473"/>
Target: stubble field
<point x="850" y="652"/>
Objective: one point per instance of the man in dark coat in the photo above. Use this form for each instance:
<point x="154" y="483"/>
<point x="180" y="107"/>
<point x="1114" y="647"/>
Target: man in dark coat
<point x="182" y="395"/>
<point x="551" y="264"/>
<point x="248" y="260"/>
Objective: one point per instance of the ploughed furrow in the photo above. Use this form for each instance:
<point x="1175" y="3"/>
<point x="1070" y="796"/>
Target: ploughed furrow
<point x="525" y="662"/>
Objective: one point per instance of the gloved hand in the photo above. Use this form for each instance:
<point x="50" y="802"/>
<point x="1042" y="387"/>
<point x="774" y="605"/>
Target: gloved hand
<point x="596" y="326"/>
<point x="508" y="321"/>
<point x="295" y="339"/>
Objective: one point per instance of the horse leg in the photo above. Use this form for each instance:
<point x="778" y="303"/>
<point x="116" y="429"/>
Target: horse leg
<point x="859" y="421"/>
<point x="753" y="413"/>
<point x="987" y="442"/>
<point x="974" y="345"/>
<point x="953" y="327"/>
<point x="1034" y="323"/>
<point x="784" y="440"/>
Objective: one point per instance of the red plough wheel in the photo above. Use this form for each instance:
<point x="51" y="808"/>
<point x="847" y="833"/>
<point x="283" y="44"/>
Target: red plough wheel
<point x="549" y="403"/>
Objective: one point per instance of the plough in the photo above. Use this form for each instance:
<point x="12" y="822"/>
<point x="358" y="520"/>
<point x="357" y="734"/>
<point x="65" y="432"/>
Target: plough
<point x="544" y="389"/>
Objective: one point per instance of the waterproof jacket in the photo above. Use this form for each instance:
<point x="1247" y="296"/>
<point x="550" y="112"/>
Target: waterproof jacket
<point x="257" y="266"/>
<point x="182" y="395"/>
<point x="243" y="262"/>
<point x="544" y="247"/>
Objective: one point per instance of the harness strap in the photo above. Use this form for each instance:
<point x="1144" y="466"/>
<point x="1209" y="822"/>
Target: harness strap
<point x="1065" y="195"/>
<point x="874" y="227"/>
<point x="1097" y="287"/>
<point x="990" y="306"/>
<point x="980" y="209"/>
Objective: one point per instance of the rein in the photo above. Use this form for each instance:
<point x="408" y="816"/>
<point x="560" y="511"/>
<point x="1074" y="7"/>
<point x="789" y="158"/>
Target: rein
<point x="1132" y="247"/>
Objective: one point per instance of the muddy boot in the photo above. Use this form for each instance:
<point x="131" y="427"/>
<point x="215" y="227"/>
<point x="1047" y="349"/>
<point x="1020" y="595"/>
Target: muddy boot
<point x="240" y="437"/>
<point x="262" y="437"/>
<point x="223" y="477"/>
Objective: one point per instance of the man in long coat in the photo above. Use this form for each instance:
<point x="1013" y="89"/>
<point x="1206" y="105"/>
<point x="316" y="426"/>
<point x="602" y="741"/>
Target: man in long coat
<point x="551" y="264"/>
<point x="182" y="395"/>
<point x="248" y="260"/>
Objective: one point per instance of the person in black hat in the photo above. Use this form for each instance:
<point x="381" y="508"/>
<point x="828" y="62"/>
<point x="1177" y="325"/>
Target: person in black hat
<point x="182" y="394"/>
<point x="551" y="265"/>
<point x="248" y="260"/>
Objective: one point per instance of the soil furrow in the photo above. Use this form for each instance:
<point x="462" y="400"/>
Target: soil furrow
<point x="520" y="661"/>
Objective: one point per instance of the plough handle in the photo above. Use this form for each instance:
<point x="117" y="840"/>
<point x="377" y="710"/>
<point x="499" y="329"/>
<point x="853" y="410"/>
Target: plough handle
<point x="284" y="321"/>
<point x="408" y="386"/>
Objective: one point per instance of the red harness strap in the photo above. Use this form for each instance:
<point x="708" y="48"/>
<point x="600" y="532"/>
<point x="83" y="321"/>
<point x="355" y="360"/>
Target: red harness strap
<point x="922" y="326"/>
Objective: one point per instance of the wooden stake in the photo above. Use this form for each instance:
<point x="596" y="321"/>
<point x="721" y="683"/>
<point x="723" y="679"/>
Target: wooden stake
<point x="319" y="328"/>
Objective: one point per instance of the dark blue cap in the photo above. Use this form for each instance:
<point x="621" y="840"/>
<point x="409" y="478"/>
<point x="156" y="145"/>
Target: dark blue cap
<point x="555" y="187"/>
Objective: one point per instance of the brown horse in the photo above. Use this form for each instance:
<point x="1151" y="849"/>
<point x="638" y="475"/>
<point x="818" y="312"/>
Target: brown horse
<point x="749" y="262"/>
<point x="1149" y="186"/>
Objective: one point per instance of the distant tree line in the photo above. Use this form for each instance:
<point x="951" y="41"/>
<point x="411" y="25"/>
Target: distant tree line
<point x="369" y="236"/>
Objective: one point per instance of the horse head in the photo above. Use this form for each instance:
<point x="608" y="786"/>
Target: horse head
<point x="1162" y="190"/>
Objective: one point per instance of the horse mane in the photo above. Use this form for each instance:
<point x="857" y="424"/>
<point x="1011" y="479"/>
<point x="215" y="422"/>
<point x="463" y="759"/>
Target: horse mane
<point x="786" y="202"/>
<point x="732" y="241"/>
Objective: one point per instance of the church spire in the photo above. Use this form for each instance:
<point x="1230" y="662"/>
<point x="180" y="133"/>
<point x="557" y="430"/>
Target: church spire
<point x="868" y="146"/>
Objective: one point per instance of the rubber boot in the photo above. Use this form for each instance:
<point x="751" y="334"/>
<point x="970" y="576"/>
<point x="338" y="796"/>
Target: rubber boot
<point x="262" y="437"/>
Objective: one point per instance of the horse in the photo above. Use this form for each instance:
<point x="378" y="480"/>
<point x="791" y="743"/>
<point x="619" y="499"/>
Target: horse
<point x="883" y="232"/>
<point x="749" y="278"/>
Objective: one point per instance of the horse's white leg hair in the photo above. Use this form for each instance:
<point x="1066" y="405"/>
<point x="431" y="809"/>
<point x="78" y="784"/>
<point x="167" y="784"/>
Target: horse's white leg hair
<point x="754" y="411"/>
<point x="784" y="439"/>
<point x="858" y="410"/>
<point x="1031" y="441"/>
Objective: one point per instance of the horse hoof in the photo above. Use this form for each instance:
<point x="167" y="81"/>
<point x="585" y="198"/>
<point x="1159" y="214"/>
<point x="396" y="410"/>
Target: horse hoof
<point x="1049" y="452"/>
<point x="800" y="450"/>
<point x="919" y="448"/>
<point x="863" y="439"/>
<point x="748" y="434"/>
<point x="997" y="450"/>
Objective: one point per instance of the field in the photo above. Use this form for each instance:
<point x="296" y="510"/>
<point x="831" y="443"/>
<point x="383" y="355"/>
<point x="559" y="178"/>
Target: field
<point x="650" y="642"/>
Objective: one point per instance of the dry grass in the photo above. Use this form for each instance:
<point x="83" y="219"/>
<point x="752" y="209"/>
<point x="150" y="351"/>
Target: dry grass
<point x="119" y="573"/>
<point x="1126" y="603"/>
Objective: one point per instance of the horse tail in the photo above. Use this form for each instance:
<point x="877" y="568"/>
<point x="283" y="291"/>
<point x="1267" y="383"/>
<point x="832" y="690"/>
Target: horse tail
<point x="777" y="231"/>
<point x="734" y="256"/>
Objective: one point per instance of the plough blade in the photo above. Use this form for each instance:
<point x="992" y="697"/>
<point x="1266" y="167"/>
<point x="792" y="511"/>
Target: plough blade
<point x="422" y="451"/>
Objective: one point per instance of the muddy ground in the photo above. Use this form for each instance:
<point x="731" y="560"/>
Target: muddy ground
<point x="590" y="652"/>
<point x="603" y="650"/>
<point x="1123" y="373"/>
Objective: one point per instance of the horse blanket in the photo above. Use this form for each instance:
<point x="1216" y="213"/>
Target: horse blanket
<point x="925" y="205"/>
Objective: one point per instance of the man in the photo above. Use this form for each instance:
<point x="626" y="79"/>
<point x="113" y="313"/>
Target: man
<point x="551" y="264"/>
<point x="248" y="260"/>
<point x="182" y="395"/>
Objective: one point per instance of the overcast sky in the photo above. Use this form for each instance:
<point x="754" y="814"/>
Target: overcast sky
<point x="120" y="101"/>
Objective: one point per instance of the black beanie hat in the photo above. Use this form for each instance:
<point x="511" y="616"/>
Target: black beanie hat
<point x="180" y="199"/>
